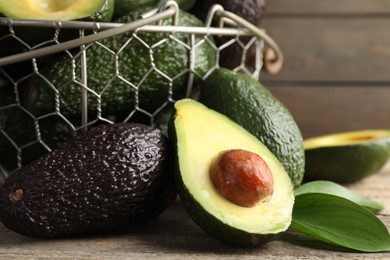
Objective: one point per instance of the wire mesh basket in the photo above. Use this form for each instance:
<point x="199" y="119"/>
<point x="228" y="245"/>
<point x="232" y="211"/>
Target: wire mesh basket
<point x="36" y="114"/>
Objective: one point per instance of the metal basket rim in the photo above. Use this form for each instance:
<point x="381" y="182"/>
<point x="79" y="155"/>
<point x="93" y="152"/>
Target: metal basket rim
<point x="274" y="61"/>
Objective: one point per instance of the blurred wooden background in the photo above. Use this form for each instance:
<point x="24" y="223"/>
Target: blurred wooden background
<point x="336" y="75"/>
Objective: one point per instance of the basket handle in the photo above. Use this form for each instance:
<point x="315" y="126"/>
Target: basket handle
<point x="273" y="58"/>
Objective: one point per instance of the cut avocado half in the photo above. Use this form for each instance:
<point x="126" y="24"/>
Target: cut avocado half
<point x="200" y="135"/>
<point x="348" y="156"/>
<point x="64" y="10"/>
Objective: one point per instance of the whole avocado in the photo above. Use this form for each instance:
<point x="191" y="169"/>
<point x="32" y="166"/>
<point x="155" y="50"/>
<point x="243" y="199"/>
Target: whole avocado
<point x="251" y="105"/>
<point x="252" y="11"/>
<point x="131" y="72"/>
<point x="111" y="177"/>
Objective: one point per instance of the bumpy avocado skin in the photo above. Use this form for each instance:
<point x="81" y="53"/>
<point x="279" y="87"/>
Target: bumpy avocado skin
<point x="32" y="137"/>
<point x="139" y="80"/>
<point x="251" y="105"/>
<point x="111" y="177"/>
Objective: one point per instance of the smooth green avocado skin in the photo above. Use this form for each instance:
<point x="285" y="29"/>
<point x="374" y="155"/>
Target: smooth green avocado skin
<point x="348" y="163"/>
<point x="216" y="227"/>
<point x="212" y="225"/>
<point x="118" y="97"/>
<point x="251" y="105"/>
<point x="109" y="178"/>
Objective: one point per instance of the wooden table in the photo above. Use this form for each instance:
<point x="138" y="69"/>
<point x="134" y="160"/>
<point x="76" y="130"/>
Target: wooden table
<point x="174" y="236"/>
<point x="336" y="77"/>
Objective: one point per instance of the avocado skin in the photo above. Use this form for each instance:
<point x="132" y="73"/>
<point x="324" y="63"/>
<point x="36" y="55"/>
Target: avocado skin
<point x="19" y="126"/>
<point x="111" y="177"/>
<point x="118" y="98"/>
<point x="347" y="163"/>
<point x="124" y="7"/>
<point x="212" y="225"/>
<point x="251" y="105"/>
<point x="251" y="10"/>
<point x="104" y="14"/>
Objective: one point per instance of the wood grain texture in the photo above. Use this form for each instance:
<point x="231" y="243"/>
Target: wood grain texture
<point x="344" y="7"/>
<point x="175" y="236"/>
<point x="336" y="75"/>
<point x="327" y="109"/>
<point x="322" y="49"/>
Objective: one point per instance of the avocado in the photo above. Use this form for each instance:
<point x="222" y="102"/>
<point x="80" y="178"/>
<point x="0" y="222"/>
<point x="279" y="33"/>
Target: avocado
<point x="24" y="139"/>
<point x="110" y="177"/>
<point x="251" y="105"/>
<point x="98" y="10"/>
<point x="346" y="157"/>
<point x="124" y="7"/>
<point x="200" y="135"/>
<point x="124" y="77"/>
<point x="186" y="5"/>
<point x="252" y="11"/>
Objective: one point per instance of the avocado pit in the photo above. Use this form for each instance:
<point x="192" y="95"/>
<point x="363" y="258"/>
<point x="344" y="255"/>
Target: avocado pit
<point x="242" y="177"/>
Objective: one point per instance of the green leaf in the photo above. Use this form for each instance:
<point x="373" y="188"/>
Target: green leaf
<point x="332" y="188"/>
<point x="339" y="221"/>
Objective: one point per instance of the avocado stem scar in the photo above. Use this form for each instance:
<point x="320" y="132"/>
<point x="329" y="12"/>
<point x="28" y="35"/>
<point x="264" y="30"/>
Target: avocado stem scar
<point x="16" y="195"/>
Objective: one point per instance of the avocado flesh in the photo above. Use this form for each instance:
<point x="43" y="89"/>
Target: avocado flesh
<point x="111" y="177"/>
<point x="200" y="134"/>
<point x="65" y="10"/>
<point x="251" y="105"/>
<point x="346" y="157"/>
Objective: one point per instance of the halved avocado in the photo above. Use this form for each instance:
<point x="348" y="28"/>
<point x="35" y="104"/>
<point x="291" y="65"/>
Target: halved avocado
<point x="348" y="156"/>
<point x="64" y="10"/>
<point x="200" y="134"/>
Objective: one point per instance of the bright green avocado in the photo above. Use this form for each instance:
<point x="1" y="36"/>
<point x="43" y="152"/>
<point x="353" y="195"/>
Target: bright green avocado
<point x="65" y="10"/>
<point x="252" y="106"/>
<point x="130" y="72"/>
<point x="199" y="135"/>
<point x="346" y="157"/>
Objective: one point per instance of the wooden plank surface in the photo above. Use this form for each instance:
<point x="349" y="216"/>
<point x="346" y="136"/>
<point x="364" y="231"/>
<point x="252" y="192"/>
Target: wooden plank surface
<point x="175" y="236"/>
<point x="331" y="7"/>
<point x="332" y="49"/>
<point x="327" y="109"/>
<point x="336" y="75"/>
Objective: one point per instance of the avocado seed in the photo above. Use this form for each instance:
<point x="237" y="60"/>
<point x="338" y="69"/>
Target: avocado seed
<point x="242" y="177"/>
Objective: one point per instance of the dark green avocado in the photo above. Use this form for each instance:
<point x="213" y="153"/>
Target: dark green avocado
<point x="111" y="177"/>
<point x="199" y="136"/>
<point x="252" y="11"/>
<point x="24" y="136"/>
<point x="251" y="105"/>
<point x="131" y="73"/>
